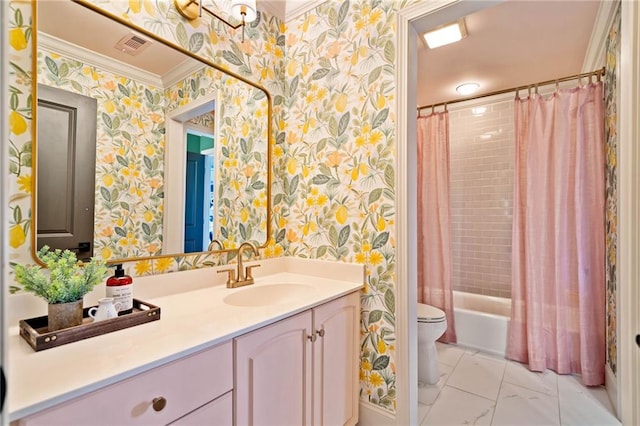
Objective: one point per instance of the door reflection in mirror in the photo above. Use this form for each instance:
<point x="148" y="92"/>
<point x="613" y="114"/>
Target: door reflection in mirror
<point x="65" y="181"/>
<point x="199" y="189"/>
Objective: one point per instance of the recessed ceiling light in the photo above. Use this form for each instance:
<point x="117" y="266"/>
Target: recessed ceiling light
<point x="467" y="88"/>
<point x="445" y="34"/>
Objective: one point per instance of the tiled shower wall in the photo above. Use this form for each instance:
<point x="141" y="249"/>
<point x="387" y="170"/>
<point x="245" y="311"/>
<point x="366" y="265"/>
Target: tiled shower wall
<point x="482" y="163"/>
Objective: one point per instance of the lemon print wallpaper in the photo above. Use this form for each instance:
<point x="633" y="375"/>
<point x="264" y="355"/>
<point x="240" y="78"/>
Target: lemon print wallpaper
<point x="241" y="164"/>
<point x="338" y="167"/>
<point x="611" y="216"/>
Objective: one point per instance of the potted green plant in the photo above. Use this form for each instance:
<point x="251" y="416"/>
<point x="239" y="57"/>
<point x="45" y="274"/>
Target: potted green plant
<point x="62" y="284"/>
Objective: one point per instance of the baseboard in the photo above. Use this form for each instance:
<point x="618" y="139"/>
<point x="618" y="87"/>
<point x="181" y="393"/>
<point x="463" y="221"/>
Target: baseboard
<point x="611" y="383"/>
<point x="371" y="415"/>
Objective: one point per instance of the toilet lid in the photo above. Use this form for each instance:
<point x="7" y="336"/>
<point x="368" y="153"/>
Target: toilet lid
<point x="428" y="313"/>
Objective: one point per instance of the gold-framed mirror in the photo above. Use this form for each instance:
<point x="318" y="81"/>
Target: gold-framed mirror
<point x="150" y="124"/>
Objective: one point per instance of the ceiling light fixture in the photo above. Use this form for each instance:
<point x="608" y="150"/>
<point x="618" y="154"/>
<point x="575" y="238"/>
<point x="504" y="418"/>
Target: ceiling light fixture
<point x="467" y="88"/>
<point x="243" y="10"/>
<point x="445" y="34"/>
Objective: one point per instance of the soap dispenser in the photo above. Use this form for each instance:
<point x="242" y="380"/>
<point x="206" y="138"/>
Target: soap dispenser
<point x="120" y="287"/>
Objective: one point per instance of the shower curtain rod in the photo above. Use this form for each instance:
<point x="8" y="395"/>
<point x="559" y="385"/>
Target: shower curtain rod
<point x="597" y="73"/>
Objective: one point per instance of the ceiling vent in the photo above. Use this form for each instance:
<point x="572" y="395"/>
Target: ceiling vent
<point x="132" y="44"/>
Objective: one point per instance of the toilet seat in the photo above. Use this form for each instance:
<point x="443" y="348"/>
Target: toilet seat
<point x="429" y="314"/>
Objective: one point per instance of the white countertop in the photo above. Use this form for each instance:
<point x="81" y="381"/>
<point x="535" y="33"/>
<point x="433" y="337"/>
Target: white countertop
<point x="193" y="317"/>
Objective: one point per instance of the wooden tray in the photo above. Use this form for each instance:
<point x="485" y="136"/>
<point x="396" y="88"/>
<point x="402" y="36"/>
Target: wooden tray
<point x="36" y="333"/>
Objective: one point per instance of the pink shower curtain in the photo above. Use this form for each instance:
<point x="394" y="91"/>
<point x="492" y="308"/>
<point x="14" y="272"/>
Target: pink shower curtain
<point x="434" y="217"/>
<point x="558" y="294"/>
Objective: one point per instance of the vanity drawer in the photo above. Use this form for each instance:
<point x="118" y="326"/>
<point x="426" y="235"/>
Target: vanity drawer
<point x="215" y="413"/>
<point x="185" y="385"/>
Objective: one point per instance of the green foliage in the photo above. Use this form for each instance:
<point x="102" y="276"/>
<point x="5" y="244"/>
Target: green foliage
<point x="65" y="279"/>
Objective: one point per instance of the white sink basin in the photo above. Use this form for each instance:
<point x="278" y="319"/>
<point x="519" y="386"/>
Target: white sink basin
<point x="268" y="294"/>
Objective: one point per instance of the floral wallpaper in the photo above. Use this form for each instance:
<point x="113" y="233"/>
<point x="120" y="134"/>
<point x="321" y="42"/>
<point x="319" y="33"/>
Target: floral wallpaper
<point x="241" y="203"/>
<point x="129" y="154"/>
<point x="611" y="214"/>
<point x="242" y="160"/>
<point x="18" y="47"/>
<point x="337" y="188"/>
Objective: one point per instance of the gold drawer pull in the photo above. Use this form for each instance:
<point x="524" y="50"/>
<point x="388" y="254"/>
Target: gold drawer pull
<point x="159" y="403"/>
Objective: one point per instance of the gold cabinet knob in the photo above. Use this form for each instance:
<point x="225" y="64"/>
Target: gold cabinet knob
<point x="159" y="403"/>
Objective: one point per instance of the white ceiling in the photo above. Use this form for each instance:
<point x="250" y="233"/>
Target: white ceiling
<point x="509" y="44"/>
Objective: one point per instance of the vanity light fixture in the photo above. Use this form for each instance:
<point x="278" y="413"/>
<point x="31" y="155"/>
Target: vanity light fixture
<point x="243" y="10"/>
<point x="467" y="88"/>
<point x="445" y="34"/>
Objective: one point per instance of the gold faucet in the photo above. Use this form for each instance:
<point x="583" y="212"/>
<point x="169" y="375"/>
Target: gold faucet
<point x="244" y="274"/>
<point x="214" y="242"/>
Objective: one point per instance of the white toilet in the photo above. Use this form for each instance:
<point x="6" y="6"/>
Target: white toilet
<point x="432" y="323"/>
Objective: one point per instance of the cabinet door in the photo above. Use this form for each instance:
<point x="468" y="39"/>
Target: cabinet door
<point x="335" y="358"/>
<point x="273" y="374"/>
<point x="216" y="413"/>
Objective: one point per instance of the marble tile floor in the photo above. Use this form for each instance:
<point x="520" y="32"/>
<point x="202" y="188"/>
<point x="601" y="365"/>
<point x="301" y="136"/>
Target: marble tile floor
<point x="482" y="389"/>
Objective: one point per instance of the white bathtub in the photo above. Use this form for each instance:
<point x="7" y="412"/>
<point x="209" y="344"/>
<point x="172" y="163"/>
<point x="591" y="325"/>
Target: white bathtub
<point x="482" y="321"/>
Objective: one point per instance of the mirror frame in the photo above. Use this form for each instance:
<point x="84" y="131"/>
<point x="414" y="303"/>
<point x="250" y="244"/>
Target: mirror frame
<point x="155" y="37"/>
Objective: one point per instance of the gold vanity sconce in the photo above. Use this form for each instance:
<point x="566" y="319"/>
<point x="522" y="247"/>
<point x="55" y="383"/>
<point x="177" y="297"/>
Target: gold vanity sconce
<point x="243" y="10"/>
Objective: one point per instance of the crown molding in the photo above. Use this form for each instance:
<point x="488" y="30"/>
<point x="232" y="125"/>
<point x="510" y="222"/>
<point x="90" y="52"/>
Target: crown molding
<point x="180" y="72"/>
<point x="594" y="57"/>
<point x="293" y="10"/>
<point x="104" y="62"/>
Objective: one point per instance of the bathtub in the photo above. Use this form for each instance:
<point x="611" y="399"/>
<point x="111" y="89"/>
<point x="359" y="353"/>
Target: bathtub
<point x="482" y="321"/>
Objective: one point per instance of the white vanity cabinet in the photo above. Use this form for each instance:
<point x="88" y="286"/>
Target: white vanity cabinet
<point x="336" y="354"/>
<point x="197" y="385"/>
<point x="302" y="370"/>
<point x="299" y="369"/>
